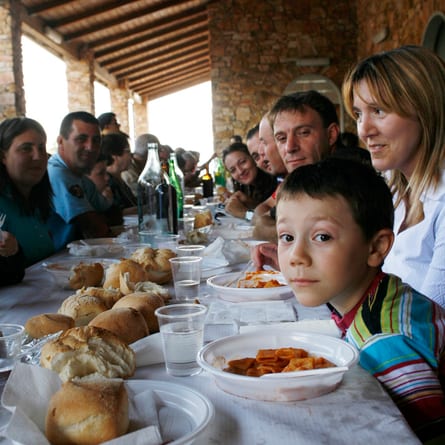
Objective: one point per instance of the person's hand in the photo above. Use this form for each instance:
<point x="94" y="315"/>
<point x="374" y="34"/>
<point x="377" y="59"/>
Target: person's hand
<point x="8" y="245"/>
<point x="265" y="254"/>
<point x="108" y="194"/>
<point x="235" y="206"/>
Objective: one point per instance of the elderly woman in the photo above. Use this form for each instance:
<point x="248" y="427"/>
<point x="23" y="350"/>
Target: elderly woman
<point x="25" y="197"/>
<point x="252" y="184"/>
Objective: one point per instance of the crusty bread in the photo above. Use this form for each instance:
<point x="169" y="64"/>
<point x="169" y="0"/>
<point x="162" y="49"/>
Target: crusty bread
<point x="84" y="275"/>
<point x="108" y="296"/>
<point x="112" y="273"/>
<point x="82" y="308"/>
<point x="155" y="263"/>
<point x="203" y="219"/>
<point x="126" y="322"/>
<point x="87" y="411"/>
<point x="45" y="324"/>
<point x="146" y="303"/>
<point x="86" y="350"/>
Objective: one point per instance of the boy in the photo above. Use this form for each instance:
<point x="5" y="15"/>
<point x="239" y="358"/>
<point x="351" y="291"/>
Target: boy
<point x="334" y="226"/>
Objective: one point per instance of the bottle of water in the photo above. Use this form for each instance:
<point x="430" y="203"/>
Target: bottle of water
<point x="149" y="181"/>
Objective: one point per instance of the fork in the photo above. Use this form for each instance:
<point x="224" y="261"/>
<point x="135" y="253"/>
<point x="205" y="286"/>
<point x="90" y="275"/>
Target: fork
<point x="2" y="221"/>
<point x="240" y="275"/>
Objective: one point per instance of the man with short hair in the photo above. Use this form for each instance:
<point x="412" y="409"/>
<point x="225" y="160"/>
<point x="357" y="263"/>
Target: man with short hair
<point x="78" y="205"/>
<point x="108" y="123"/>
<point x="306" y="130"/>
<point x="254" y="146"/>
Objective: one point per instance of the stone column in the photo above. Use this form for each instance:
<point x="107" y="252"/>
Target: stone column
<point x="119" y="106"/>
<point x="12" y="96"/>
<point x="140" y="118"/>
<point x="80" y="78"/>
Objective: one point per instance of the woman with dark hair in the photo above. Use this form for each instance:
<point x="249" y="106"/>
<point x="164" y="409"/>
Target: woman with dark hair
<point x="252" y="185"/>
<point x="116" y="148"/>
<point x="25" y="197"/>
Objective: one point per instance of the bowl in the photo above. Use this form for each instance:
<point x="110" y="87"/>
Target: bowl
<point x="284" y="387"/>
<point x="61" y="269"/>
<point x="98" y="247"/>
<point x="219" y="284"/>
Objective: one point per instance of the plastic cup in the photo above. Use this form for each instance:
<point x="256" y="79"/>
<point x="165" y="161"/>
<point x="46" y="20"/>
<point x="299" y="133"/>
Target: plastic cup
<point x="11" y="338"/>
<point x="147" y="236"/>
<point x="182" y="333"/>
<point x="166" y="241"/>
<point x="186" y="271"/>
<point x="190" y="250"/>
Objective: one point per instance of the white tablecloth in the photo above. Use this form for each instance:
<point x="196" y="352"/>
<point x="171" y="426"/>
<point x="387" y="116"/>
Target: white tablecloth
<point x="359" y="411"/>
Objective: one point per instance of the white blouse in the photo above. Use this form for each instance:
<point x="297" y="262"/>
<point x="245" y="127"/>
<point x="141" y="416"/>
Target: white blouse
<point x="418" y="253"/>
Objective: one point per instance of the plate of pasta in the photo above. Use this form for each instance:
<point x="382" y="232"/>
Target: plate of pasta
<point x="278" y="365"/>
<point x="262" y="285"/>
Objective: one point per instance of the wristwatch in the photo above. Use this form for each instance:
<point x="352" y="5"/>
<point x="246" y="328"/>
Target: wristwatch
<point x="249" y="215"/>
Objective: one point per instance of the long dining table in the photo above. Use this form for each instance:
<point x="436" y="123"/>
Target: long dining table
<point x="359" y="411"/>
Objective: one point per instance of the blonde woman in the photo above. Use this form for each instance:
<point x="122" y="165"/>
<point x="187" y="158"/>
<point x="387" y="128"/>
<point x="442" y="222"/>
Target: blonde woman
<point x="397" y="98"/>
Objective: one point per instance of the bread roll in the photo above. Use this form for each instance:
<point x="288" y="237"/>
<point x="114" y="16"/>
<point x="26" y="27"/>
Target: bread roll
<point x="126" y="322"/>
<point x="86" y="350"/>
<point x="155" y="263"/>
<point x="108" y="296"/>
<point x="146" y="303"/>
<point x="203" y="219"/>
<point x="88" y="412"/>
<point x="45" y="324"/>
<point x="82" y="308"/>
<point x="84" y="275"/>
<point x="112" y="273"/>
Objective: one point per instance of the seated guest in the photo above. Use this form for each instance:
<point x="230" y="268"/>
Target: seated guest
<point x="116" y="148"/>
<point x="188" y="163"/>
<point x="99" y="175"/>
<point x="108" y="123"/>
<point x="335" y="228"/>
<point x="138" y="160"/>
<point x="252" y="184"/>
<point x="79" y="207"/>
<point x="25" y="197"/>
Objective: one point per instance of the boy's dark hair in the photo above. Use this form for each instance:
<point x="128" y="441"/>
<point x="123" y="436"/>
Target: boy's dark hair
<point x="67" y="121"/>
<point x="114" y="144"/>
<point x="364" y="189"/>
<point x="306" y="99"/>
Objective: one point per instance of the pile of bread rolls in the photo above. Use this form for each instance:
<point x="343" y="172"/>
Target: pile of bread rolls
<point x="92" y="354"/>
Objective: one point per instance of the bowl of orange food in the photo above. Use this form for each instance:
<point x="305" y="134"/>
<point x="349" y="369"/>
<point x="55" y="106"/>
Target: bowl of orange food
<point x="252" y="286"/>
<point x="278" y="365"/>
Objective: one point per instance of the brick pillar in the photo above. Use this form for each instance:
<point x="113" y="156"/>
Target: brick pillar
<point x="140" y="118"/>
<point x="12" y="96"/>
<point x="80" y="78"/>
<point x="119" y="106"/>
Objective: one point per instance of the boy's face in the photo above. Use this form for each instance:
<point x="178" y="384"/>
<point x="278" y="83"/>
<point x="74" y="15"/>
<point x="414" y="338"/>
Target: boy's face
<point x="322" y="251"/>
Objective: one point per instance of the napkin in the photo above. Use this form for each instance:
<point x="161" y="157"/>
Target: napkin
<point x="326" y="327"/>
<point x="27" y="394"/>
<point x="148" y="350"/>
<point x="234" y="251"/>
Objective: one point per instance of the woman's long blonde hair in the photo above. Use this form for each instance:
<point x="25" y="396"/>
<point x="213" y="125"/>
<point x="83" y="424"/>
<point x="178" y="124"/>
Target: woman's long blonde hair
<point x="409" y="81"/>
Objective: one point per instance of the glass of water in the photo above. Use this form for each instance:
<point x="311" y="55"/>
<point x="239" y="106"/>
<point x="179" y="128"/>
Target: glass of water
<point x="186" y="271"/>
<point x="11" y="338"/>
<point x="182" y="333"/>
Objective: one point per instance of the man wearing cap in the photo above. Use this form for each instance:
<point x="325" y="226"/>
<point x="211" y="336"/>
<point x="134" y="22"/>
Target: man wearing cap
<point x="138" y="160"/>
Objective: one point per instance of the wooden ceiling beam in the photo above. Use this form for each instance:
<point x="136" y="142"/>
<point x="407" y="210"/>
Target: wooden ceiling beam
<point x="198" y="13"/>
<point x="168" y="88"/>
<point x="124" y="18"/>
<point x="167" y="70"/>
<point x="177" y="74"/>
<point x="47" y="6"/>
<point x="151" y="51"/>
<point x="161" y="58"/>
<point x="185" y="28"/>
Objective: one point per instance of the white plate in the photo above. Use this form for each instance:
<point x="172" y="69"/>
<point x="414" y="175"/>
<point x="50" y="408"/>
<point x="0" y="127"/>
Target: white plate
<point x="289" y="386"/>
<point x="210" y="266"/>
<point x="61" y="269"/>
<point x="235" y="295"/>
<point x="98" y="247"/>
<point x="183" y="412"/>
